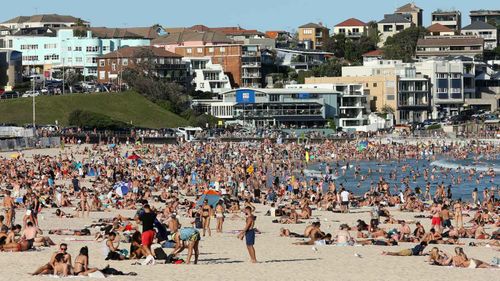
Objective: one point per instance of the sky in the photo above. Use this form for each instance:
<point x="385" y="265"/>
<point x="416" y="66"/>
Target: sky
<point x="251" y="14"/>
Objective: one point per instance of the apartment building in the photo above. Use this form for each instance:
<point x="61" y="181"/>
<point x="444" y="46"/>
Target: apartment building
<point x="351" y="28"/>
<point x="450" y="19"/>
<point x="241" y="35"/>
<point x="416" y="14"/>
<point x="10" y="69"/>
<point x="313" y="35"/>
<point x="166" y="65"/>
<point x="300" y="60"/>
<point x="389" y="84"/>
<point x="483" y="30"/>
<point x="44" y="20"/>
<point x="207" y="76"/>
<point x="391" y="25"/>
<point x="242" y="63"/>
<point x="51" y="51"/>
<point x="443" y="46"/>
<point x="485" y="16"/>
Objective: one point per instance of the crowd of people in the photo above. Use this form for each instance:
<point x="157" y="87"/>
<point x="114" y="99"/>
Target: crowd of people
<point x="219" y="180"/>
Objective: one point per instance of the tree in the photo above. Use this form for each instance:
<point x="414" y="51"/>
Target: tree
<point x="402" y="46"/>
<point x="348" y="49"/>
<point x="331" y="68"/>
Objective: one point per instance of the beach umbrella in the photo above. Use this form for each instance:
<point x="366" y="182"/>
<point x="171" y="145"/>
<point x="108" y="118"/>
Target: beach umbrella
<point x="133" y="157"/>
<point x="212" y="196"/>
<point x="121" y="188"/>
<point x="14" y="155"/>
<point x="362" y="145"/>
<point x="112" y="145"/>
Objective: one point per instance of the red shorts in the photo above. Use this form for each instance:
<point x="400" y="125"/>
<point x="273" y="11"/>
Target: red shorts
<point x="128" y="227"/>
<point x="147" y="238"/>
<point x="436" y="221"/>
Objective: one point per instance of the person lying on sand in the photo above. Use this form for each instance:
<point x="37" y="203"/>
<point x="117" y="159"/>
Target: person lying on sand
<point x="415" y="251"/>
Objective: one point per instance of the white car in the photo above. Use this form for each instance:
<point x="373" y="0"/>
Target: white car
<point x="30" y="94"/>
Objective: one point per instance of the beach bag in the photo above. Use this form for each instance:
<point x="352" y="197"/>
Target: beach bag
<point x="197" y="223"/>
<point x="160" y="254"/>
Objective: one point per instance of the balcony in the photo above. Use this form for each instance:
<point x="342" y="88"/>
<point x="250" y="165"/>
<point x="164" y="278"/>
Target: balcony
<point x="250" y="54"/>
<point x="251" y="75"/>
<point x="251" y="64"/>
<point x="319" y="34"/>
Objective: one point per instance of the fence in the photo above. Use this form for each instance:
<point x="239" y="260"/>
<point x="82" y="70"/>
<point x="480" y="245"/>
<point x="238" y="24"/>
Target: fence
<point x="24" y="143"/>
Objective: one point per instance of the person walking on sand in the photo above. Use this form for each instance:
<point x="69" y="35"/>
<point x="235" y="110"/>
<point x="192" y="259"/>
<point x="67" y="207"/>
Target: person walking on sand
<point x="249" y="233"/>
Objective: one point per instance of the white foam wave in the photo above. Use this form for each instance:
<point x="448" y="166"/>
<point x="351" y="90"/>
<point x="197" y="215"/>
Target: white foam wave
<point x="447" y="164"/>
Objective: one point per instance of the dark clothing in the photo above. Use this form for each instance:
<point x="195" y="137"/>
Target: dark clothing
<point x="417" y="250"/>
<point x="250" y="237"/>
<point x="76" y="184"/>
<point x="148" y="221"/>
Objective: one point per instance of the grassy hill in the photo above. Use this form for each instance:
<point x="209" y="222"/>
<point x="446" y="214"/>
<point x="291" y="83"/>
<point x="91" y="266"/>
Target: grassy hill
<point x="126" y="107"/>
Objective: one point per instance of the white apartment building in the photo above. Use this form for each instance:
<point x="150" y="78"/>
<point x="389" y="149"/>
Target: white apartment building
<point x="391" y="25"/>
<point x="44" y="20"/>
<point x="207" y="76"/>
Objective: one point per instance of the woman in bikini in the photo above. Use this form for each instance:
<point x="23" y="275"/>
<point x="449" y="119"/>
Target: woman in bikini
<point x="437" y="257"/>
<point x="461" y="260"/>
<point x="219" y="215"/>
<point x="206" y="212"/>
<point x="81" y="266"/>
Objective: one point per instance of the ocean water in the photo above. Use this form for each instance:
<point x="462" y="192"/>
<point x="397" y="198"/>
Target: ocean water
<point x="445" y="171"/>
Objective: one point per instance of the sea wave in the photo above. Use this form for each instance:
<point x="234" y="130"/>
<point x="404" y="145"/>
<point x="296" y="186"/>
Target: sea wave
<point x="453" y="164"/>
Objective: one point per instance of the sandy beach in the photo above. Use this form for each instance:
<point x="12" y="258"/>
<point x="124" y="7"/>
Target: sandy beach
<point x="224" y="257"/>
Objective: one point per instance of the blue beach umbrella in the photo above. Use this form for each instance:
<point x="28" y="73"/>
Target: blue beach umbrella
<point x="211" y="196"/>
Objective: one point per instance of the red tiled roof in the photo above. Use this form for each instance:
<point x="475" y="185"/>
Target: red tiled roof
<point x="352" y="22"/>
<point x="437" y="27"/>
<point x="130" y="52"/>
<point x="374" y="53"/>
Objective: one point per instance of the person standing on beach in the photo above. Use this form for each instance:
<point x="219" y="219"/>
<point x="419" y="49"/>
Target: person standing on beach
<point x="249" y="233"/>
<point x="8" y="204"/>
<point x="148" y="233"/>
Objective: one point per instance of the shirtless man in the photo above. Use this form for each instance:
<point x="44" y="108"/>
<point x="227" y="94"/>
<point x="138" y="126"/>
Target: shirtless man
<point x="249" y="233"/>
<point x="8" y="204"/>
<point x="436" y="217"/>
<point x="30" y="233"/>
<point x="84" y="203"/>
<point x="49" y="267"/>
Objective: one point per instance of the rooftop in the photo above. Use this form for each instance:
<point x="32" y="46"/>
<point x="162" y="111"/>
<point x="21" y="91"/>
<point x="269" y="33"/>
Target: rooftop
<point x="131" y="52"/>
<point x="351" y="22"/>
<point x="450" y="41"/>
<point x="313" y="25"/>
<point x="188" y="35"/>
<point x="394" y="18"/>
<point x="437" y="27"/>
<point x="479" y="25"/>
<point x="45" y="18"/>
<point x="151" y="32"/>
<point x="374" y="53"/>
<point x="408" y="8"/>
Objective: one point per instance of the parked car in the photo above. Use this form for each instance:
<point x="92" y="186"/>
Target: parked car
<point x="30" y="94"/>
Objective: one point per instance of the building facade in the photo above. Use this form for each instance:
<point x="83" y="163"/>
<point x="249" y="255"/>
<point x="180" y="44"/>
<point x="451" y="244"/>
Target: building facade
<point x="443" y="46"/>
<point x="391" y="25"/>
<point x="483" y="30"/>
<point x="351" y="28"/>
<point x="416" y="13"/>
<point x="207" y="76"/>
<point x="50" y="54"/>
<point x="312" y="35"/>
<point x="485" y="16"/>
<point x="164" y="64"/>
<point x="450" y="19"/>
<point x="10" y="69"/>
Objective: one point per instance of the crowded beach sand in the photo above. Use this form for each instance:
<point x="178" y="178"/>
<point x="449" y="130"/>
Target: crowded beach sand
<point x="104" y="197"/>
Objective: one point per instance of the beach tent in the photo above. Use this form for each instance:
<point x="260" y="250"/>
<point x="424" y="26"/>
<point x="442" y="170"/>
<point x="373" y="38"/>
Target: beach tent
<point x="211" y="195"/>
<point x="121" y="188"/>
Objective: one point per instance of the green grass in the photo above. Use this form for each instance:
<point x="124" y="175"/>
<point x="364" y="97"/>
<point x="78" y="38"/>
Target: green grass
<point x="127" y="107"/>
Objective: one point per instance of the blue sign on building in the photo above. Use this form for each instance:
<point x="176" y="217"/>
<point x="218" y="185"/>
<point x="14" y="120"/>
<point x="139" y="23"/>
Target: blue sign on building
<point x="245" y="96"/>
<point x="304" y="96"/>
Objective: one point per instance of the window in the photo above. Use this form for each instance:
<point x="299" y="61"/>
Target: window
<point x="105" y="48"/>
<point x="125" y="62"/>
<point x="400" y="27"/>
<point x="211" y="50"/>
<point x="92" y="49"/>
<point x="308" y="31"/>
<point x="29" y="47"/>
<point x="189" y="50"/>
<point x="30" y="58"/>
<point x="387" y="28"/>
<point x="69" y="60"/>
<point x="222" y="49"/>
<point x="79" y="59"/>
<point x="78" y="49"/>
<point x="102" y="75"/>
<point x="102" y="63"/>
<point x="341" y="30"/>
<point x="374" y="85"/>
<point x="442" y="75"/>
<point x="113" y="66"/>
<point x="50" y="46"/>
<point x="199" y="50"/>
<point x="455" y="75"/>
<point x="69" y="49"/>
<point x="202" y="85"/>
<point x="442" y="90"/>
<point x="390" y="97"/>
<point x="51" y="57"/>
